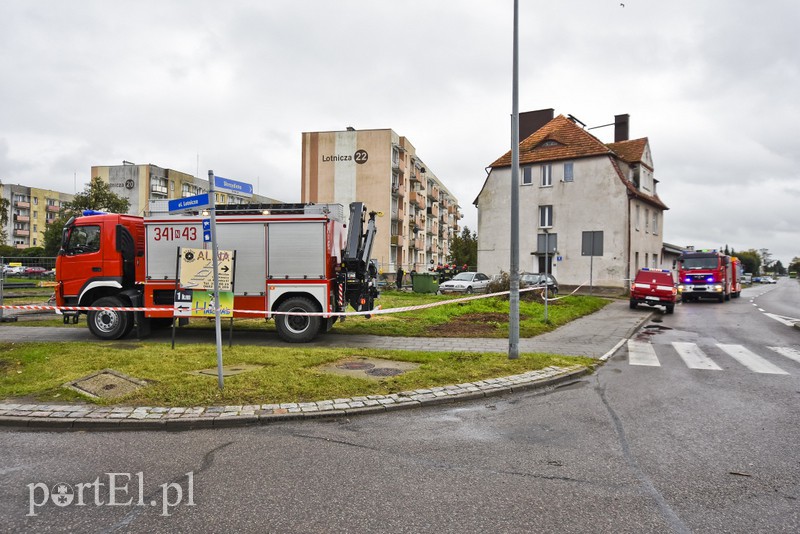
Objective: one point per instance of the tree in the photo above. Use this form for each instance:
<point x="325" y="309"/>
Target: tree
<point x="464" y="248"/>
<point x="751" y="261"/>
<point x="97" y="195"/>
<point x="4" y="205"/>
<point x="778" y="268"/>
<point x="794" y="267"/>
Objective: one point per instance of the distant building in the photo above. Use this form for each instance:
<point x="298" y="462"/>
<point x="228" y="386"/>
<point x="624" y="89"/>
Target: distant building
<point x="142" y="183"/>
<point x="30" y="210"/>
<point x="382" y="170"/>
<point x="575" y="192"/>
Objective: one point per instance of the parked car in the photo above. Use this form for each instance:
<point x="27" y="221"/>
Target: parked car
<point x="768" y="280"/>
<point x="654" y="287"/>
<point x="538" y="280"/>
<point x="34" y="270"/>
<point x="13" y="270"/>
<point x="469" y="282"/>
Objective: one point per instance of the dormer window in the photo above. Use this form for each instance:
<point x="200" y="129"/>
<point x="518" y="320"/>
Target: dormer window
<point x="548" y="143"/>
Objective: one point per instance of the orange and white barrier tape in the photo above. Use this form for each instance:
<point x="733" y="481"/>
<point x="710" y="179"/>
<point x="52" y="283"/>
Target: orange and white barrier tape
<point x="376" y="311"/>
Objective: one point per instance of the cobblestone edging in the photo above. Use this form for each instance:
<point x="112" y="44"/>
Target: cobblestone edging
<point x="84" y="417"/>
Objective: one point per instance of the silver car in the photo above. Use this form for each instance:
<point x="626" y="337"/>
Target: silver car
<point x="465" y="283"/>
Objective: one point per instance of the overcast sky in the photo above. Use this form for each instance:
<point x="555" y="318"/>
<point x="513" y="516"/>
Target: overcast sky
<point x="231" y="86"/>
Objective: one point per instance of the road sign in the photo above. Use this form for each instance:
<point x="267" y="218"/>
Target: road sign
<point x="232" y="186"/>
<point x="188" y="203"/>
<point x="206" y="236"/>
<point x="197" y="270"/>
<point x="183" y="304"/>
<point x="206" y="224"/>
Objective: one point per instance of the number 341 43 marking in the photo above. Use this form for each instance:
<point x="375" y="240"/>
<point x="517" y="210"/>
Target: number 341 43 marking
<point x="170" y="233"/>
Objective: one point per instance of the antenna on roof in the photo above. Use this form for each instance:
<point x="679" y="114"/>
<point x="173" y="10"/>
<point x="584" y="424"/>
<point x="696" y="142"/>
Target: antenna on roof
<point x="573" y="118"/>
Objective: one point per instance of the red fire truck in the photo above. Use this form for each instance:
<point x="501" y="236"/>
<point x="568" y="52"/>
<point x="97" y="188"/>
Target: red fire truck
<point x="708" y="274"/>
<point x="288" y="258"/>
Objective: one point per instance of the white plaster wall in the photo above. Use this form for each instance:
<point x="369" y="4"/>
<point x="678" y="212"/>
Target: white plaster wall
<point x="595" y="201"/>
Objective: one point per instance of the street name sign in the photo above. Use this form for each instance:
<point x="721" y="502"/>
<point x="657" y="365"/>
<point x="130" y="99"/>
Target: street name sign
<point x="232" y="186"/>
<point x="188" y="203"/>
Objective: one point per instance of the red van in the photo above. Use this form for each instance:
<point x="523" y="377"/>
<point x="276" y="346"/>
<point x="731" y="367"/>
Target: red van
<point x="654" y="287"/>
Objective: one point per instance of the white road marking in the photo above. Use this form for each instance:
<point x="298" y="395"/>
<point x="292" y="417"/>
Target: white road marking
<point x="694" y="357"/>
<point x="789" y="352"/>
<point x="752" y="361"/>
<point x="641" y="353"/>
<point x="788" y="321"/>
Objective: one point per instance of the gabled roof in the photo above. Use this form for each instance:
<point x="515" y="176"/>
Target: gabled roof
<point x="562" y="139"/>
<point x="557" y="140"/>
<point x="630" y="151"/>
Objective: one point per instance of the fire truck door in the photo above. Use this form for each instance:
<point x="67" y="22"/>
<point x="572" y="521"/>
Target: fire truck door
<point x="85" y="250"/>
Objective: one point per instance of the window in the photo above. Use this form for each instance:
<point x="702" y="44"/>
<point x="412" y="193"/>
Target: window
<point x="545" y="216"/>
<point x="547" y="175"/>
<point x="527" y="178"/>
<point x="655" y="222"/>
<point x="655" y="261"/>
<point x="636" y="220"/>
<point x="546" y="243"/>
<point x="568" y="176"/>
<point x="646" y="222"/>
<point x="82" y="240"/>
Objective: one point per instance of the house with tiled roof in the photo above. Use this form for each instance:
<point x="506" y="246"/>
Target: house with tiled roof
<point x="589" y="211"/>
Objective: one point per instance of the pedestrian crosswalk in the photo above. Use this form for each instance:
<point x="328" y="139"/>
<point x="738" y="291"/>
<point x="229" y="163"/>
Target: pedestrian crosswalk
<point x="693" y="356"/>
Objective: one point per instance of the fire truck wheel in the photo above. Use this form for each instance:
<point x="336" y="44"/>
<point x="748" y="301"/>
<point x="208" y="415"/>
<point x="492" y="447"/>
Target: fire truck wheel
<point x="109" y="324"/>
<point x="297" y="328"/>
<point x="670" y="308"/>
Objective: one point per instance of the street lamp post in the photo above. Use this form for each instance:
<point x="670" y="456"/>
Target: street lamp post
<point x="513" y="297"/>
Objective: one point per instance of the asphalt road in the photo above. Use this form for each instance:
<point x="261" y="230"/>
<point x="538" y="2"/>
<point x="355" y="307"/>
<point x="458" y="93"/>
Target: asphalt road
<point x="633" y="448"/>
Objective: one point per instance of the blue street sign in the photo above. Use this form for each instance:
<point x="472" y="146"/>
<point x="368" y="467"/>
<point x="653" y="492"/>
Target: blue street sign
<point x="206" y="236"/>
<point x="189" y="203"/>
<point x="206" y="224"/>
<point x="240" y="188"/>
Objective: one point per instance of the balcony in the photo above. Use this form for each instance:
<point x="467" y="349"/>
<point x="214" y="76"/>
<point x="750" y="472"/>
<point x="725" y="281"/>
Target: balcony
<point x="433" y="193"/>
<point x="398" y="241"/>
<point x="158" y="189"/>
<point x="22" y="204"/>
<point x="53" y="208"/>
<point x="435" y="209"/>
<point x="22" y="218"/>
<point x="19" y="232"/>
<point x="419" y="220"/>
<point x="420" y="198"/>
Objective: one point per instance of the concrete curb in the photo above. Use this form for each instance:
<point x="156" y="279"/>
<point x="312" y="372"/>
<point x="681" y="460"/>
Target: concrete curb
<point x="63" y="418"/>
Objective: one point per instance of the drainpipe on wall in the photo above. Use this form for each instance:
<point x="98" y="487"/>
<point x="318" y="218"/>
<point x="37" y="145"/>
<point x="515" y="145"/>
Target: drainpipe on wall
<point x="628" y="259"/>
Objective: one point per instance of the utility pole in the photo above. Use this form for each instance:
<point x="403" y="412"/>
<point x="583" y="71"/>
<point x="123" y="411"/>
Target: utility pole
<point x="513" y="298"/>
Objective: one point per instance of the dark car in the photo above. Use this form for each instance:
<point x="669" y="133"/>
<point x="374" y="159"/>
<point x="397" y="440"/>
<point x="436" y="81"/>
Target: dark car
<point x="538" y="280"/>
<point x="654" y="287"/>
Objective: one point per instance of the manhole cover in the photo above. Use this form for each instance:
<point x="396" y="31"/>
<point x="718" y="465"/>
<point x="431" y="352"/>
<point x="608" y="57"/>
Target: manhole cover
<point x="355" y="366"/>
<point x="369" y="368"/>
<point x="106" y="384"/>
<point x="385" y="371"/>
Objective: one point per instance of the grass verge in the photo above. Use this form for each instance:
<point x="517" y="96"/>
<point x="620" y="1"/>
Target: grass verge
<point x="37" y="371"/>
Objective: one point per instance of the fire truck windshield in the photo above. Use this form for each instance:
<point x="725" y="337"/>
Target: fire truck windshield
<point x="702" y="262"/>
<point x="83" y="239"/>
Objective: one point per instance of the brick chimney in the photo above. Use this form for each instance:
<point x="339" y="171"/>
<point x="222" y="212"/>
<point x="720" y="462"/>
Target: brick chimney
<point x="621" y="123"/>
<point x="530" y="121"/>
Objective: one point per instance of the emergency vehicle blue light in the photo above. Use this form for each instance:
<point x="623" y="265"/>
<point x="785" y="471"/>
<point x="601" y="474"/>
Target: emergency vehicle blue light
<point x="710" y="279"/>
<point x="688" y="279"/>
<point x="86" y="213"/>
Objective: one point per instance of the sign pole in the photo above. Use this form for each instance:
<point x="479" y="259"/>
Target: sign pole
<point x="215" y="263"/>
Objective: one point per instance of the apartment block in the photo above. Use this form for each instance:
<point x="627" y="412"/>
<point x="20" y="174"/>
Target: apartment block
<point x="383" y="170"/>
<point x="30" y="210"/>
<point x="142" y="183"/>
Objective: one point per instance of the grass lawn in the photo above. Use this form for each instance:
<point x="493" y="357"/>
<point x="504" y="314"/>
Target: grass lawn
<point x="39" y="370"/>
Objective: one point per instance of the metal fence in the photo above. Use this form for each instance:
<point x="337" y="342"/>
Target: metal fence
<point x="28" y="267"/>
